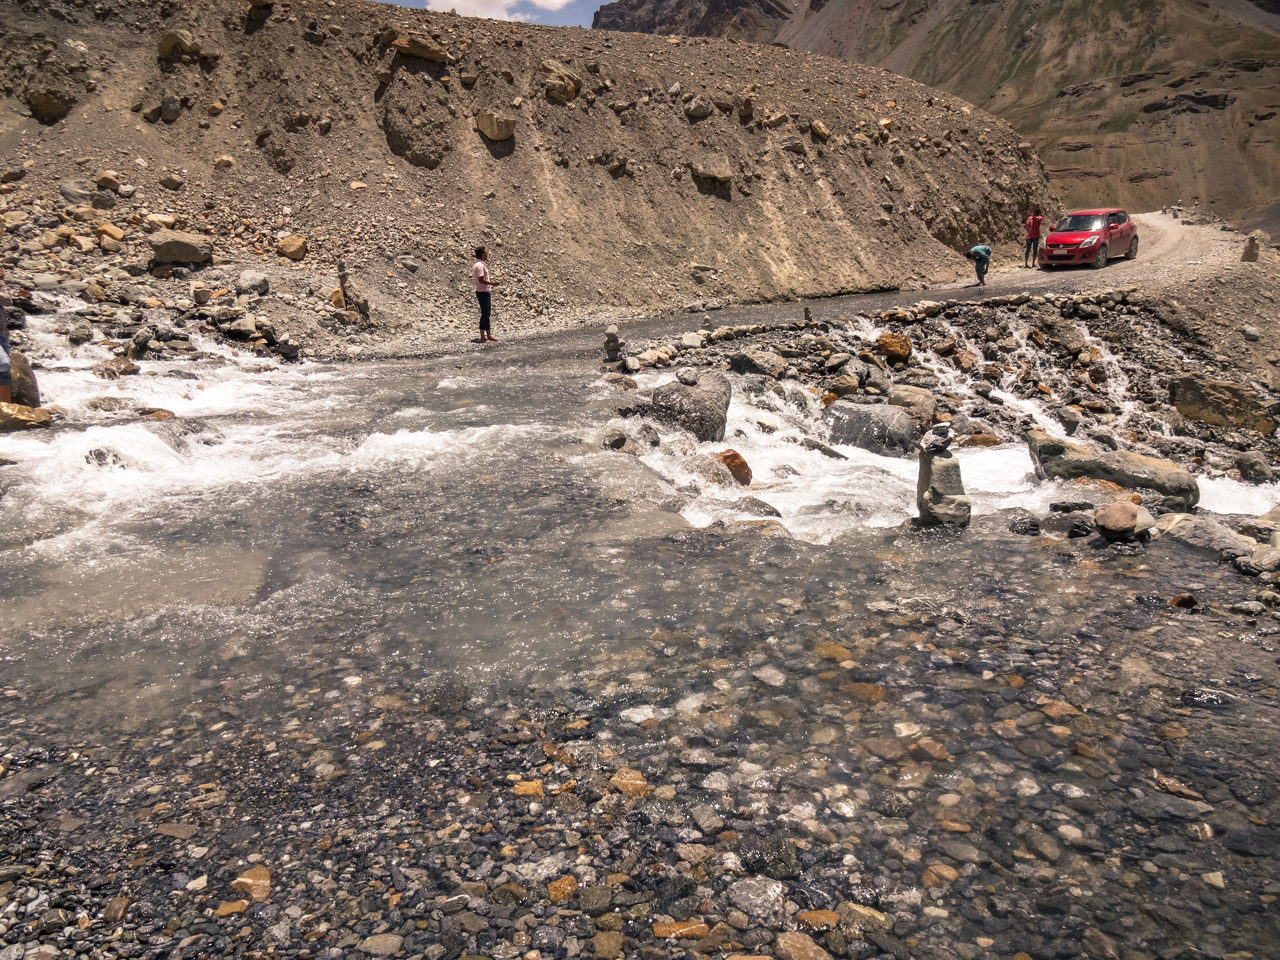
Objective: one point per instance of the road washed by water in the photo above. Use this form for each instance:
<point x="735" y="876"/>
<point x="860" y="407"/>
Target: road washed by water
<point x="397" y="659"/>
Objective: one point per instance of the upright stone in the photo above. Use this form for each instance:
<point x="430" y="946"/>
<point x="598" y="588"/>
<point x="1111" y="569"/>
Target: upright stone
<point x="940" y="495"/>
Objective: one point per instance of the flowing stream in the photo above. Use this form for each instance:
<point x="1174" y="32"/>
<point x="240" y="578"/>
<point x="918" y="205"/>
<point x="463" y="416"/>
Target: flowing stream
<point x="458" y="514"/>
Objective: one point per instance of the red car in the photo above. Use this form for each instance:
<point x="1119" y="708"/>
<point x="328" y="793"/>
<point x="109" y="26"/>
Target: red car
<point x="1090" y="236"/>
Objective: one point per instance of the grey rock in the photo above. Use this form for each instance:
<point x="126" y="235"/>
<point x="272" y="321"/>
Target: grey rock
<point x="1060" y="460"/>
<point x="1205" y="533"/>
<point x="758" y="897"/>
<point x="940" y="495"/>
<point x="175" y="246"/>
<point x="880" y="428"/>
<point x="701" y="409"/>
<point x="253" y="281"/>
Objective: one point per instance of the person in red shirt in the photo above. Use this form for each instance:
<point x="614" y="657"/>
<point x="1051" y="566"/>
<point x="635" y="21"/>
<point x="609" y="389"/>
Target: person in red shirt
<point x="1033" y="238"/>
<point x="484" y="287"/>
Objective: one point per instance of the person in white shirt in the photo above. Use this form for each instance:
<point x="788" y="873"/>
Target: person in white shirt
<point x="484" y="286"/>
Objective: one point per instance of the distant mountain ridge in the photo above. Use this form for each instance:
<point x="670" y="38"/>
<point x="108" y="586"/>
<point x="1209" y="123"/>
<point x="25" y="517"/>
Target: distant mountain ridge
<point x="1138" y="102"/>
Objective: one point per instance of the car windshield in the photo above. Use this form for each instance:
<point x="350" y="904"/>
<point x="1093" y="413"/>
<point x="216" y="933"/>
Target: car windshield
<point x="1078" y="223"/>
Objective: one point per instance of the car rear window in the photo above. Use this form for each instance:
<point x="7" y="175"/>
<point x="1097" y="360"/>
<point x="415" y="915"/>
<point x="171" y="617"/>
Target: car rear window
<point x="1077" y="224"/>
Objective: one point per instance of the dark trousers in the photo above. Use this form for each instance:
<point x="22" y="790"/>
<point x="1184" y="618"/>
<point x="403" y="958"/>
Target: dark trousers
<point x="981" y="267"/>
<point x="486" y="306"/>
<point x="1033" y="247"/>
<point x="5" y="376"/>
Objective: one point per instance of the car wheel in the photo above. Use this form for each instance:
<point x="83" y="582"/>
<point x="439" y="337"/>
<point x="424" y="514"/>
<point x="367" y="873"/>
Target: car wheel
<point x="1101" y="260"/>
<point x="1133" y="249"/>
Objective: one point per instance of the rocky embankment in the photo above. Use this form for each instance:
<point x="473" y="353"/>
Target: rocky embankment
<point x="603" y="171"/>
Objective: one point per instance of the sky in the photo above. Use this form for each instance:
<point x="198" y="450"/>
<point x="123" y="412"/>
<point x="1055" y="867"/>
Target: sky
<point x="571" y="13"/>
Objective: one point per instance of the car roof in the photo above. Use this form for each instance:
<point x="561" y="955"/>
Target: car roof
<point x="1100" y="212"/>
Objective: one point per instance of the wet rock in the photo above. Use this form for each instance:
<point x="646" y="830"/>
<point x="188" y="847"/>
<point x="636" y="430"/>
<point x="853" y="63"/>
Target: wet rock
<point x="737" y="466"/>
<point x="760" y="898"/>
<point x="1121" y="521"/>
<point x="1253" y="467"/>
<point x="895" y="347"/>
<point x="798" y="946"/>
<point x="1058" y="459"/>
<point x="1205" y="533"/>
<point x="919" y="403"/>
<point x="940" y="495"/>
<point x="381" y="945"/>
<point x="701" y="409"/>
<point x="880" y="428"/>
<point x="24" y="390"/>
<point x="16" y="417"/>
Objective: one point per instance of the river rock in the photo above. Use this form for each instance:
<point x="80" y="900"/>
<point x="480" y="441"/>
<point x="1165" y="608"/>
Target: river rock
<point x="1220" y="403"/>
<point x="940" y="495"/>
<point x="1059" y="460"/>
<point x="758" y="361"/>
<point x="758" y="897"/>
<point x="798" y="946"/>
<point x="1122" y="520"/>
<point x="896" y="347"/>
<point x="175" y="246"/>
<point x="1205" y="533"/>
<point x="919" y="403"/>
<point x="15" y="417"/>
<point x="880" y="428"/>
<point x="701" y="408"/>
<point x="1254" y="468"/>
<point x="737" y="466"/>
<point x="24" y="390"/>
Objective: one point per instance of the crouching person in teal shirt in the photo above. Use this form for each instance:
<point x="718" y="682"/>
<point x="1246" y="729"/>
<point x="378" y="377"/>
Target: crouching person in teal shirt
<point x="981" y="257"/>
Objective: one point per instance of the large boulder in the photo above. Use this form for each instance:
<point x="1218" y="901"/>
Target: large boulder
<point x="754" y="360"/>
<point x="1206" y="534"/>
<point x="1220" y="403"/>
<point x="919" y="403"/>
<point x="698" y="402"/>
<point x="880" y="428"/>
<point x="940" y="495"/>
<point x="1056" y="459"/>
<point x="175" y="246"/>
<point x="24" y="390"/>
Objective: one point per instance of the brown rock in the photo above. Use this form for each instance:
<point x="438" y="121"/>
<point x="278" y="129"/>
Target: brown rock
<point x="14" y="417"/>
<point x="528" y="788"/>
<point x="896" y="347"/>
<point x="826" y="650"/>
<point x="1220" y="403"/>
<point x="866" y="692"/>
<point x="381" y="944"/>
<point x="607" y="946"/>
<point x="820" y="130"/>
<point x="108" y="230"/>
<point x="818" y="921"/>
<point x="939" y="875"/>
<point x="116" y="910"/>
<point x="681" y="930"/>
<point x="631" y="783"/>
<point x="293" y="246"/>
<point x="228" y="907"/>
<point x="737" y="466"/>
<point x="413" y="45"/>
<point x="798" y="946"/>
<point x="562" y="889"/>
<point x="1122" y="521"/>
<point x="254" y="883"/>
<point x="495" y="126"/>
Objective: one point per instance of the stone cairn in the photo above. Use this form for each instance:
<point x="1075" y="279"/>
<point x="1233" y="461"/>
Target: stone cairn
<point x="612" y="344"/>
<point x="940" y="495"/>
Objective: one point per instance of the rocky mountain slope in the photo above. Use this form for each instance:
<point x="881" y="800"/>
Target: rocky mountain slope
<point x="1143" y="104"/>
<point x="611" y="170"/>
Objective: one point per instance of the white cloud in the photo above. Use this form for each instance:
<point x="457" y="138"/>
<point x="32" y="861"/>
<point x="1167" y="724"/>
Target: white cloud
<point x="494" y="9"/>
